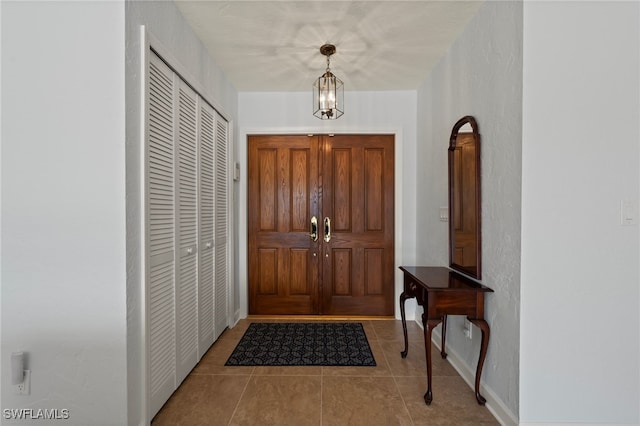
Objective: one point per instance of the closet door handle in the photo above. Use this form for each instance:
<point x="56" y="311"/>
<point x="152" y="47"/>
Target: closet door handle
<point x="327" y="229"/>
<point x="314" y="229"/>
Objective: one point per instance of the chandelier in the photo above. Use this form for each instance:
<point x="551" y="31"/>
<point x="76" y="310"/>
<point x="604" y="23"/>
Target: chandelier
<point x="328" y="91"/>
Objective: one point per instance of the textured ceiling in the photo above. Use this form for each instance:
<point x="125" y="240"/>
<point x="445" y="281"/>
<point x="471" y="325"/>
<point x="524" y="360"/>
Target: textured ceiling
<point x="274" y="45"/>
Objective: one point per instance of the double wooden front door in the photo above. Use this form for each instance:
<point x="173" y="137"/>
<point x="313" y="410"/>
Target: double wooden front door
<point x="345" y="182"/>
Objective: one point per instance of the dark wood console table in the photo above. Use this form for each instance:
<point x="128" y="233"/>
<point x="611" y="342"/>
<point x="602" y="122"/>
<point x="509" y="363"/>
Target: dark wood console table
<point x="441" y="292"/>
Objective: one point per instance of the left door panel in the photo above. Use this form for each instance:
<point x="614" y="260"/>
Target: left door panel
<point x="283" y="198"/>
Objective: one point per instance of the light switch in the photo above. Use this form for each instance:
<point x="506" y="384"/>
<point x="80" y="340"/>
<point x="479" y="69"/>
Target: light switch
<point x="628" y="212"/>
<point x="444" y="214"/>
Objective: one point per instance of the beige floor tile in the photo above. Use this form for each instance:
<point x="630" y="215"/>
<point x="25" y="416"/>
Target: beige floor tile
<point x="287" y="371"/>
<point x="415" y="363"/>
<point x="363" y="401"/>
<point x="392" y="330"/>
<point x="454" y="402"/>
<point x="213" y="361"/>
<point x="202" y="400"/>
<point x="369" y="330"/>
<point x="390" y="393"/>
<point x="280" y="400"/>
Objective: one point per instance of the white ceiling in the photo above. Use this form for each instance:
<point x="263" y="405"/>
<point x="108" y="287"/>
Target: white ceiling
<point x="274" y="45"/>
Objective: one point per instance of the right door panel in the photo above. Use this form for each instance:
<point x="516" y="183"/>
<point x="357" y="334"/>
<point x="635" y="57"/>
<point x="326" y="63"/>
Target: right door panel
<point x="357" y="199"/>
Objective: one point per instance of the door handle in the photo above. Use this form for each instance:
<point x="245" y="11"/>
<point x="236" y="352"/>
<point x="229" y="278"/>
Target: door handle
<point x="314" y="229"/>
<point x="327" y="229"/>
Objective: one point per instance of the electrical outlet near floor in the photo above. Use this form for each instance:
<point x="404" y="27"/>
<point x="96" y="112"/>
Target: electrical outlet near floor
<point x="24" y="388"/>
<point x="467" y="328"/>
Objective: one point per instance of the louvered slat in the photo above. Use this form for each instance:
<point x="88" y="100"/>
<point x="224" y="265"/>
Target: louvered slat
<point x="221" y="226"/>
<point x="160" y="179"/>
<point x="187" y="319"/>
<point x="187" y="167"/>
<point x="221" y="283"/>
<point x="206" y="141"/>
<point x="186" y="298"/>
<point x="222" y="183"/>
<point x="160" y="231"/>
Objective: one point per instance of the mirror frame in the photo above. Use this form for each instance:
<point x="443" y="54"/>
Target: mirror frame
<point x="475" y="272"/>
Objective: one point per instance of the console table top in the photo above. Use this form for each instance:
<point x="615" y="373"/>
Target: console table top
<point x="442" y="279"/>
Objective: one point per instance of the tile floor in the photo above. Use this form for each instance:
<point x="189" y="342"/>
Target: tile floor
<point x="389" y="394"/>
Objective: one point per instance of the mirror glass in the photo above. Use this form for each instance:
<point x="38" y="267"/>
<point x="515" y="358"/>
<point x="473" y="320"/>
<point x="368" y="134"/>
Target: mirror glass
<point x="464" y="198"/>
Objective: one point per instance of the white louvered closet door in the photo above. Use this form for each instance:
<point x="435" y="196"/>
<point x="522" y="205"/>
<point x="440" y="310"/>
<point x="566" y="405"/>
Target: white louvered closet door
<point x="187" y="228"/>
<point x="222" y="244"/>
<point x="206" y="139"/>
<point x="160" y="232"/>
<point x="187" y="233"/>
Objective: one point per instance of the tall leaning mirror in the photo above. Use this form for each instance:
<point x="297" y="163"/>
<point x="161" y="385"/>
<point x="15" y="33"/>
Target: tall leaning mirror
<point x="464" y="198"/>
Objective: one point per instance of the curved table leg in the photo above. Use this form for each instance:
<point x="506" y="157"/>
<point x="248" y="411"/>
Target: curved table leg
<point x="403" y="298"/>
<point x="429" y="325"/>
<point x="443" y="352"/>
<point x="484" y="326"/>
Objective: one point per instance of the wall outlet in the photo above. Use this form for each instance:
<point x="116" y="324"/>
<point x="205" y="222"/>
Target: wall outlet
<point x="468" y="327"/>
<point x="24" y="388"/>
<point x="628" y="212"/>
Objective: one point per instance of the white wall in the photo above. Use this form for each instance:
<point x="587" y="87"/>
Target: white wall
<point x="365" y="112"/>
<point x="481" y="75"/>
<point x="63" y="207"/>
<point x="71" y="207"/>
<point x="168" y="32"/>
<point x="579" y="353"/>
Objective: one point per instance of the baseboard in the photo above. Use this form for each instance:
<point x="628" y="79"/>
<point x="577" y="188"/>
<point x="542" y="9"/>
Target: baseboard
<point x="576" y="424"/>
<point x="494" y="404"/>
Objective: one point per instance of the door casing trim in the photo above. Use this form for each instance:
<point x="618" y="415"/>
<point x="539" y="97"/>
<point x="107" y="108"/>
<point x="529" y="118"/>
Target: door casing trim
<point x="242" y="272"/>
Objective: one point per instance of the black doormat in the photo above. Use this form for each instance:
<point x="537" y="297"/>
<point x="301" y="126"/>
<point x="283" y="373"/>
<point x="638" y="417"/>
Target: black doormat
<point x="326" y="344"/>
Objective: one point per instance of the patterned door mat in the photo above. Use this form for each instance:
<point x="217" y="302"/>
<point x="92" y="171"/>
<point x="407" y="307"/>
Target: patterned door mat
<point x="282" y="344"/>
